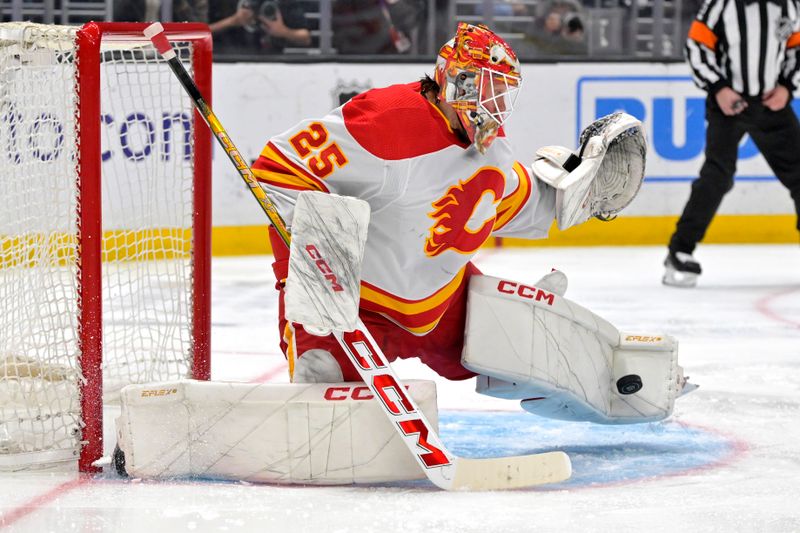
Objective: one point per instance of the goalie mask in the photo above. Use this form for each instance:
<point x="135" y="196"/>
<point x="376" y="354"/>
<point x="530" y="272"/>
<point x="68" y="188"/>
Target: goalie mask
<point x="478" y="74"/>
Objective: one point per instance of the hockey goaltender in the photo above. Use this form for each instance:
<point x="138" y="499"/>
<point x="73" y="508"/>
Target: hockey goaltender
<point x="410" y="181"/>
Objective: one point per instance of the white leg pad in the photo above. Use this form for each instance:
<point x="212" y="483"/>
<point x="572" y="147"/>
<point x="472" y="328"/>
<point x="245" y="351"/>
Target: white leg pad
<point x="319" y="434"/>
<point x="564" y="361"/>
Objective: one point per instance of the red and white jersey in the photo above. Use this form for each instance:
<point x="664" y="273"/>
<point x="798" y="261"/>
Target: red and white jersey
<point x="434" y="199"/>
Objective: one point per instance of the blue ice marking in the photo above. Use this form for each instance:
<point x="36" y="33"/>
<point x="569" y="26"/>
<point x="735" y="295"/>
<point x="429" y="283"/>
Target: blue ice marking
<point x="600" y="454"/>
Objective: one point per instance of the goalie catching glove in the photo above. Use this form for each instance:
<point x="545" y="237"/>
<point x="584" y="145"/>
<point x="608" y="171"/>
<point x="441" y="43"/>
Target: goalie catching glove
<point x="603" y="177"/>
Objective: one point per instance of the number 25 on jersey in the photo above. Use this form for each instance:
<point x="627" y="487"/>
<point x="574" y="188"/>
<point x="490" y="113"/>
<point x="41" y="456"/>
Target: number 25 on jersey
<point x="324" y="159"/>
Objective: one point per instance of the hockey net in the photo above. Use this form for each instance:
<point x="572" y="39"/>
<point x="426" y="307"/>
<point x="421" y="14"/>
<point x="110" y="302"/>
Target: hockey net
<point x="104" y="229"/>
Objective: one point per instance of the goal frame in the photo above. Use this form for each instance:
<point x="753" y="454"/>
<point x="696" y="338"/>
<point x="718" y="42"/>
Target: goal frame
<point x="90" y="330"/>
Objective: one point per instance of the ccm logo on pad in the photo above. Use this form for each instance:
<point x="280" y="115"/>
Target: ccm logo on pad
<point x="324" y="267"/>
<point x="343" y="393"/>
<point x="525" y="291"/>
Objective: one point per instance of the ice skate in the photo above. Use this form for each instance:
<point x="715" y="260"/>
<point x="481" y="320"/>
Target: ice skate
<point x="682" y="270"/>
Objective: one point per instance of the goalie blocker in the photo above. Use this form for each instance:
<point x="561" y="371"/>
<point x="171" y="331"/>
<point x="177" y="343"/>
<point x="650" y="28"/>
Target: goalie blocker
<point x="317" y="434"/>
<point x="562" y="360"/>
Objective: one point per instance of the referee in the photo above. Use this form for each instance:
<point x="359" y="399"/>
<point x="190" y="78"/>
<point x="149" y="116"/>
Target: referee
<point x="746" y="55"/>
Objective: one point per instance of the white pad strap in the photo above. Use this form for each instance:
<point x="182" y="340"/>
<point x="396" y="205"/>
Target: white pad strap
<point x="603" y="176"/>
<point x="318" y="434"/>
<point x="531" y="343"/>
<point x="323" y="287"/>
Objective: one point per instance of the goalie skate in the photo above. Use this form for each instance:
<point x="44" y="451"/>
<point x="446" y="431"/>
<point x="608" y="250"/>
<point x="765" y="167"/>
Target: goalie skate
<point x="682" y="270"/>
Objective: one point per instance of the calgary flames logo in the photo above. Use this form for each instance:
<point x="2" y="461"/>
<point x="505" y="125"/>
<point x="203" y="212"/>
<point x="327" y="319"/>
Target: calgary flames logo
<point x="453" y="212"/>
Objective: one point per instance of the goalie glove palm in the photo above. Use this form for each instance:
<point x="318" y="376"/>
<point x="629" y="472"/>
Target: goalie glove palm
<point x="603" y="177"/>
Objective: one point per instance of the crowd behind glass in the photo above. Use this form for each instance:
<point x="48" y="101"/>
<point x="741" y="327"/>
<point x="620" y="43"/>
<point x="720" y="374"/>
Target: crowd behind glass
<point x="288" y="30"/>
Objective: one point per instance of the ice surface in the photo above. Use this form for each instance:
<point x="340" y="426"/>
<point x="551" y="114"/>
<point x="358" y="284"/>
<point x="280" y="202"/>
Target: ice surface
<point x="728" y="460"/>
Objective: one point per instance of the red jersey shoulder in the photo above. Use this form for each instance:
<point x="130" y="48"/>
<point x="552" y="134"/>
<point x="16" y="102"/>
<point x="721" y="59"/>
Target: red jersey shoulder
<point x="397" y="122"/>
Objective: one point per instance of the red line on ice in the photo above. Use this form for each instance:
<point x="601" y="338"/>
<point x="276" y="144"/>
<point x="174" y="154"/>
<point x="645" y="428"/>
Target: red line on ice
<point x="36" y="503"/>
<point x="763" y="307"/>
<point x="269" y="374"/>
<point x="738" y="448"/>
<point x="244" y="352"/>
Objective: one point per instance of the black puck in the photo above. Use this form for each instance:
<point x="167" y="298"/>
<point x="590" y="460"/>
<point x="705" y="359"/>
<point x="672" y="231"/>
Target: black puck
<point x="629" y="384"/>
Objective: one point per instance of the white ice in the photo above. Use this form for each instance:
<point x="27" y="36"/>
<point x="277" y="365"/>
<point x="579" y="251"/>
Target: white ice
<point x="739" y="334"/>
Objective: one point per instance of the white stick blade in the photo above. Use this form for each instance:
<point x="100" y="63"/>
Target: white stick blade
<point x="503" y="473"/>
<point x="323" y="287"/>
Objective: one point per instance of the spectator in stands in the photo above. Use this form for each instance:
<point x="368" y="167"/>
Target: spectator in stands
<point x="504" y="8"/>
<point x="375" y="26"/>
<point x="150" y="10"/>
<point x="259" y="26"/>
<point x="559" y="29"/>
<point x="233" y="27"/>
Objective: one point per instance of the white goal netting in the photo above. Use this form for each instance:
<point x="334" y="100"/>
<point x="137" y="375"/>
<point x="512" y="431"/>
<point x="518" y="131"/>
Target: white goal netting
<point x="146" y="204"/>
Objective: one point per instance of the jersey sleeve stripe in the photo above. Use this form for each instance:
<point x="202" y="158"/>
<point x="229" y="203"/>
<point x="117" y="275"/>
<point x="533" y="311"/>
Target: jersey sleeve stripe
<point x="514" y="202"/>
<point x="702" y="34"/>
<point x="273" y="167"/>
<point x="284" y="181"/>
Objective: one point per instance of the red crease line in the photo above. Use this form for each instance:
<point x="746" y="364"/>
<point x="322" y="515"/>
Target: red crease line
<point x="763" y="307"/>
<point x="23" y="510"/>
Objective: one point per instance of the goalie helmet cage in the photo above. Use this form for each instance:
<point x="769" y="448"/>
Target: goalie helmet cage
<point x="105" y="224"/>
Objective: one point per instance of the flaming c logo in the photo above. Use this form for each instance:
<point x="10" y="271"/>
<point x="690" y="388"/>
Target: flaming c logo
<point x="454" y="210"/>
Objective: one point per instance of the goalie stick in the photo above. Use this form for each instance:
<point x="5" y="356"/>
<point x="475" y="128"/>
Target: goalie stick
<point x="444" y="469"/>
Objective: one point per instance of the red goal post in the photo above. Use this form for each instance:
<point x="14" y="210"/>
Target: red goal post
<point x="105" y="225"/>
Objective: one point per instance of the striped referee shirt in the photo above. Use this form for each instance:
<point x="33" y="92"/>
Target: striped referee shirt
<point x="748" y="45"/>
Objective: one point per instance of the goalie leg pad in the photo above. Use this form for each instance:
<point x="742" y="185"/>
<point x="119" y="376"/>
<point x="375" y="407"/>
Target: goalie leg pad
<point x="564" y="361"/>
<point x="319" y="434"/>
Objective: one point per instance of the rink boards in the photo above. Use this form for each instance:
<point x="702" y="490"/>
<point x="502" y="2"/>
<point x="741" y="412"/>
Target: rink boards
<point x="255" y="101"/>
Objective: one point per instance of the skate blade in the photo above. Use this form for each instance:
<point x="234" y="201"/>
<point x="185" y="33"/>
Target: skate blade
<point x="674" y="278"/>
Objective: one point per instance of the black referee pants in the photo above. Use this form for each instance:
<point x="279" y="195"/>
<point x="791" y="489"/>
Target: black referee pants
<point x="777" y="136"/>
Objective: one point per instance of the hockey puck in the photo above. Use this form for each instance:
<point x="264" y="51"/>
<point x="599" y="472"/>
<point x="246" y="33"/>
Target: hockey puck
<point x="629" y="384"/>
